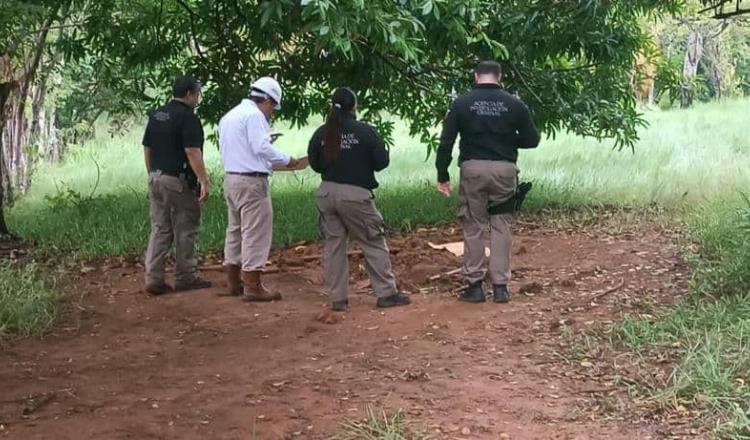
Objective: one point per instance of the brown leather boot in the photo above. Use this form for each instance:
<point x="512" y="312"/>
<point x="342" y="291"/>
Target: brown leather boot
<point x="234" y="282"/>
<point x="254" y="290"/>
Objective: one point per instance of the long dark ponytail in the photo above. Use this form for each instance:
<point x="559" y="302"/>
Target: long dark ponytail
<point x="343" y="102"/>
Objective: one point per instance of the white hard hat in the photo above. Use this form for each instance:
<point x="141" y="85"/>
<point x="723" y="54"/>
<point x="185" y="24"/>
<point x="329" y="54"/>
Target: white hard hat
<point x="268" y="88"/>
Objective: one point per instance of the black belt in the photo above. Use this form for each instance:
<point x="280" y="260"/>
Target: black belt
<point x="253" y="174"/>
<point x="168" y="173"/>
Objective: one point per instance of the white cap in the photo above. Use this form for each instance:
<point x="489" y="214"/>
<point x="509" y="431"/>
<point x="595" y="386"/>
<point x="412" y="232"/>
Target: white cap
<point x="267" y="88"/>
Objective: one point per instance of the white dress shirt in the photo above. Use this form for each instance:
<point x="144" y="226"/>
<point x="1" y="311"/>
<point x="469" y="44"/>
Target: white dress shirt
<point x="245" y="142"/>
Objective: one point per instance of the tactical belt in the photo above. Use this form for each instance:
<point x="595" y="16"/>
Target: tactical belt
<point x="168" y="173"/>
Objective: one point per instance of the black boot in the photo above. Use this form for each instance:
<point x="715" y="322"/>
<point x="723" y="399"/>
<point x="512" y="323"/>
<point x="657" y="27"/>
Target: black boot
<point x="500" y="293"/>
<point x="192" y="283"/>
<point x="473" y="293"/>
<point x="159" y="288"/>
<point x="340" y="306"/>
<point x="396" y="300"/>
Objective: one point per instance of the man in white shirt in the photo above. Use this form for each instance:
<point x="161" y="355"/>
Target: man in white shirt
<point x="249" y="156"/>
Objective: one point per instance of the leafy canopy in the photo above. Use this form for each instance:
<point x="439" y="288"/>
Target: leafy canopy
<point x="571" y="61"/>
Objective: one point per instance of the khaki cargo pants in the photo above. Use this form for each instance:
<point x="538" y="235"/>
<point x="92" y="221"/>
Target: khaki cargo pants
<point x="250" y="226"/>
<point x="175" y="217"/>
<point x="484" y="182"/>
<point x="347" y="210"/>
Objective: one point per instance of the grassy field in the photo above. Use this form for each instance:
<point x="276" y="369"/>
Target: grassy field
<point x="693" y="163"/>
<point x="684" y="157"/>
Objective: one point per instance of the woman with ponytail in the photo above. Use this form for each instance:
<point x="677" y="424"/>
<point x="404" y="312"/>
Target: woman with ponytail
<point x="347" y="153"/>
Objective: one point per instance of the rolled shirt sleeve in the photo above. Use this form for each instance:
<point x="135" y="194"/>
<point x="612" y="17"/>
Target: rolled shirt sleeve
<point x="259" y="139"/>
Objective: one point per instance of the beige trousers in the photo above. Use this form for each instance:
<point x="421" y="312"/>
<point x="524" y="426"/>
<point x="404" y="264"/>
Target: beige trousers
<point x="250" y="226"/>
<point x="175" y="216"/>
<point x="484" y="182"/>
<point x="347" y="210"/>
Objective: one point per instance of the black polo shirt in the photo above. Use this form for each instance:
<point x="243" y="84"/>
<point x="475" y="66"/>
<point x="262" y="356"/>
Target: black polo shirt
<point x="170" y="130"/>
<point x="363" y="153"/>
<point x="493" y="125"/>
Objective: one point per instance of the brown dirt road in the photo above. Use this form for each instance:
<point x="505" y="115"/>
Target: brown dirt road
<point x="196" y="366"/>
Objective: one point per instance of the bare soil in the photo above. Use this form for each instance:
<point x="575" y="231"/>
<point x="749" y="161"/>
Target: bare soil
<point x="197" y="366"/>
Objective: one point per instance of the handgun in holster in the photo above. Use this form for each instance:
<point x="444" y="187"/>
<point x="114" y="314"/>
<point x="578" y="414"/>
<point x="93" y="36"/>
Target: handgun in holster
<point x="514" y="203"/>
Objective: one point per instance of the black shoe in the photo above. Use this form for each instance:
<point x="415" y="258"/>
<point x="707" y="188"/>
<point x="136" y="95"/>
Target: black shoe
<point x="473" y="293"/>
<point x="396" y="300"/>
<point x="500" y="293"/>
<point x="193" y="283"/>
<point x="159" y="288"/>
<point x="340" y="306"/>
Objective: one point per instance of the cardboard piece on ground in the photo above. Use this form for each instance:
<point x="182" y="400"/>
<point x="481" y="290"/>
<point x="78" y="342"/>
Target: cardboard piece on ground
<point x="456" y="248"/>
<point x="302" y="163"/>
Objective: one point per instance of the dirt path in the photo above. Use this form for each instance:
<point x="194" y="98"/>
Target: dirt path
<point x="194" y="366"/>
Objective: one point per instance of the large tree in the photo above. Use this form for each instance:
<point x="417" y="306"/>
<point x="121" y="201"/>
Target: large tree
<point x="572" y="60"/>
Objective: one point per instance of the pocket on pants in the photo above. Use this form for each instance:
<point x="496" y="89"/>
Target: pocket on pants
<point x="375" y="230"/>
<point x="171" y="184"/>
<point x="328" y="228"/>
<point x="463" y="211"/>
<point x="260" y="189"/>
<point x="375" y="223"/>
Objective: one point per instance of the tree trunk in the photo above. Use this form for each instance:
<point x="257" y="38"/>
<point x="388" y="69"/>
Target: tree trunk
<point x="693" y="55"/>
<point x="5" y="89"/>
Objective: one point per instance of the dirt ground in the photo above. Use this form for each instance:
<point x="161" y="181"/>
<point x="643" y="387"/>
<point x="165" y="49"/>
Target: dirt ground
<point x="196" y="366"/>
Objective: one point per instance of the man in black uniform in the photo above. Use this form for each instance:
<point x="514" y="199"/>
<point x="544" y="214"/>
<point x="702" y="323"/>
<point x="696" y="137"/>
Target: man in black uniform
<point x="178" y="185"/>
<point x="493" y="125"/>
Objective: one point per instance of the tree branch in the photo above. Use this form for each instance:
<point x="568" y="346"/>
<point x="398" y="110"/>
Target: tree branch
<point x="193" y="15"/>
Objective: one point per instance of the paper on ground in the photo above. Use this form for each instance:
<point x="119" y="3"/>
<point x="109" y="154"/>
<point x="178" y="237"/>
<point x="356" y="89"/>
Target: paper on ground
<point x="456" y="248"/>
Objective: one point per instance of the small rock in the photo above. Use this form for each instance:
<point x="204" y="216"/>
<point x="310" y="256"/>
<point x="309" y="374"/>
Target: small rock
<point x="533" y="287"/>
<point x="327" y="317"/>
<point x="466" y="431"/>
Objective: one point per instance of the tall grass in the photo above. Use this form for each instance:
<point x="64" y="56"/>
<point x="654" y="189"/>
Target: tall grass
<point x="28" y="302"/>
<point x="712" y="327"/>
<point x="684" y="157"/>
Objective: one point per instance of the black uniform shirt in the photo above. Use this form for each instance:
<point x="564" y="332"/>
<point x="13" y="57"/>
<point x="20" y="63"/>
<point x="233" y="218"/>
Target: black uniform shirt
<point x="170" y="130"/>
<point x="493" y="125"/>
<point x="362" y="153"/>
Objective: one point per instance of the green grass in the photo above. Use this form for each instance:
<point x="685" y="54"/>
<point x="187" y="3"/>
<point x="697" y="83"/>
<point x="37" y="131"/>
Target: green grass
<point x="710" y="331"/>
<point x="376" y="426"/>
<point x="28" y="302"/>
<point x="684" y="157"/>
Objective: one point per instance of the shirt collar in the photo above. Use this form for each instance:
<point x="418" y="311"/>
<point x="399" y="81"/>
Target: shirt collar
<point x="487" y="86"/>
<point x="175" y="101"/>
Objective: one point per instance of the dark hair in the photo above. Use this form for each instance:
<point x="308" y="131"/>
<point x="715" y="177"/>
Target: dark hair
<point x="184" y="85"/>
<point x="343" y="102"/>
<point x="487" y="67"/>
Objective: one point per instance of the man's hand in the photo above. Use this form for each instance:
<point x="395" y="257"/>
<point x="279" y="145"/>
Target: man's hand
<point x="203" y="196"/>
<point x="292" y="162"/>
<point x="445" y="188"/>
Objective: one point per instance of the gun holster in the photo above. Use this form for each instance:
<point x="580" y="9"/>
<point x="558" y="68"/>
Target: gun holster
<point x="514" y="203"/>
